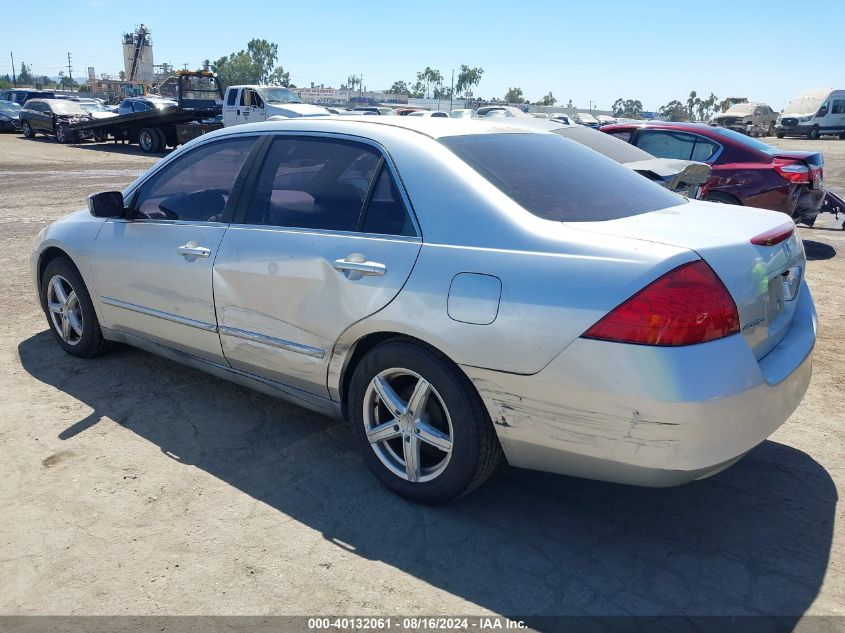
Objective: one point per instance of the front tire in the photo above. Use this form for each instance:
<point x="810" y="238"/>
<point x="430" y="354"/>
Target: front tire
<point x="64" y="135"/>
<point x="813" y="134"/>
<point x="421" y="427"/>
<point x="771" y="129"/>
<point x="70" y="311"/>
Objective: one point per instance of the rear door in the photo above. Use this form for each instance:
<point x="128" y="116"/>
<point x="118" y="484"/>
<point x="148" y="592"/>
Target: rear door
<point x="153" y="271"/>
<point x="324" y="239"/>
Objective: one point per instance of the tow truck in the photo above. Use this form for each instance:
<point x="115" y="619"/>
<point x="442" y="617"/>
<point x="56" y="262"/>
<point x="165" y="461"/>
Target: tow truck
<point x="199" y="110"/>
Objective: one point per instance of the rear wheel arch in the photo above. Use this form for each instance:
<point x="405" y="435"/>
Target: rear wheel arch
<point x="362" y="347"/>
<point x="722" y="197"/>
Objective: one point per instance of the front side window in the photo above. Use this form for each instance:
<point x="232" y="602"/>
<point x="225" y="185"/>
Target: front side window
<point x="195" y="186"/>
<point x="558" y="179"/>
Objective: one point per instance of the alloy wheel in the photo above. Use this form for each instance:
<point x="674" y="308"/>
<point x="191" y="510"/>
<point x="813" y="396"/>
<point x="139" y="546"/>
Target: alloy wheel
<point x="65" y="310"/>
<point x="408" y="425"/>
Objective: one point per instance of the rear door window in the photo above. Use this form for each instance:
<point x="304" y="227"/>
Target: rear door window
<point x="558" y="179"/>
<point x="680" y="145"/>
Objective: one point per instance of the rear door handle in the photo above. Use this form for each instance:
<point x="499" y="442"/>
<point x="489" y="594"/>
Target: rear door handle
<point x="191" y="251"/>
<point x="362" y="267"/>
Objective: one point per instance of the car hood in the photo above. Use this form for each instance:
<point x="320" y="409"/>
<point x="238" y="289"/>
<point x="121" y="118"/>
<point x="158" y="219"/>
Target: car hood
<point x="797" y="115"/>
<point x="673" y="173"/>
<point x="737" y="115"/>
<point x="293" y="110"/>
<point x="721" y="235"/>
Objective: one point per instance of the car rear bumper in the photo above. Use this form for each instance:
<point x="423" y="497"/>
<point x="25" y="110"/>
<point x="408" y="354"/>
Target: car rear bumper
<point x="650" y="416"/>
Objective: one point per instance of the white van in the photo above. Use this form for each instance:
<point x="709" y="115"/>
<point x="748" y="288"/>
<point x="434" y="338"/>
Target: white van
<point x="813" y="113"/>
<point x="248" y="104"/>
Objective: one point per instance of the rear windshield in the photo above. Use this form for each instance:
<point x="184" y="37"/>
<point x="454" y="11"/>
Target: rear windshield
<point x="746" y="140"/>
<point x="610" y="146"/>
<point x="558" y="179"/>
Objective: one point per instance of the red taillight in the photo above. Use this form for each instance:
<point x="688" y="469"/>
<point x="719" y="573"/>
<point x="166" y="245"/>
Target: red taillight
<point x="687" y="305"/>
<point x="775" y="236"/>
<point x="793" y="170"/>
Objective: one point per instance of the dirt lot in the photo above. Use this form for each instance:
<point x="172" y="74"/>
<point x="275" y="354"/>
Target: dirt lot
<point x="131" y="485"/>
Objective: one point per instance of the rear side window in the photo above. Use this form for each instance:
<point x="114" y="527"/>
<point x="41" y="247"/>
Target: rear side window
<point x="668" y="144"/>
<point x="386" y="214"/>
<point x="232" y="97"/>
<point x="196" y="186"/>
<point x="838" y="106"/>
<point x="558" y="179"/>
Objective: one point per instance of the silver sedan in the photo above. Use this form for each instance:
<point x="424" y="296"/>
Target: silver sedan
<point x="457" y="290"/>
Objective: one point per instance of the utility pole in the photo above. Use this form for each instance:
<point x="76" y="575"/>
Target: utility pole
<point x="452" y="90"/>
<point x="69" y="72"/>
<point x="14" y="79"/>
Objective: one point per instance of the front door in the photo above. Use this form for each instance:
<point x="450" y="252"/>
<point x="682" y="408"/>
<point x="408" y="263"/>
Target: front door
<point x="153" y="271"/>
<point x="324" y="240"/>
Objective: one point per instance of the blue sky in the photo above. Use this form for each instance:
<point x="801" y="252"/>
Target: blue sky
<point x="652" y="50"/>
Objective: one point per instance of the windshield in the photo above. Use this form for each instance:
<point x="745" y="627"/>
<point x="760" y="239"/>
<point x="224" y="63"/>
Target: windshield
<point x="741" y="108"/>
<point x="280" y="95"/>
<point x="558" y="179"/>
<point x="66" y="107"/>
<point x="805" y="104"/>
<point x="9" y="107"/>
<point x="753" y="143"/>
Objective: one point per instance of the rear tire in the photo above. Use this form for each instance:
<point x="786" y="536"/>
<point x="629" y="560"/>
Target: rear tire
<point x="149" y="141"/>
<point x="722" y="198"/>
<point x="26" y="130"/>
<point x="70" y="311"/>
<point x="771" y="129"/>
<point x="410" y="459"/>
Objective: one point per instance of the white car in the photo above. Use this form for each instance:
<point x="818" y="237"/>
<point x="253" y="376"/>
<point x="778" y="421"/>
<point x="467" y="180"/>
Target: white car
<point x="434" y="114"/>
<point x="455" y="290"/>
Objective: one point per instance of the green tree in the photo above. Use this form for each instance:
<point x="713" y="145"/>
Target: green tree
<point x="84" y="88"/>
<point x="352" y="81"/>
<point x="673" y="111"/>
<point x="629" y="108"/>
<point x="25" y="74"/>
<point x="468" y="77"/>
<point x="255" y="65"/>
<point x="514" y="95"/>
<point x="706" y="107"/>
<point x="121" y="75"/>
<point x="692" y="101"/>
<point x="429" y="78"/>
<point x="548" y="100"/>
<point x="399" y="88"/>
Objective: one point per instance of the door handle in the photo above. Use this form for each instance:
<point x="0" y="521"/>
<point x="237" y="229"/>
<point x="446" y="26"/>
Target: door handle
<point x="191" y="251"/>
<point x="359" y="265"/>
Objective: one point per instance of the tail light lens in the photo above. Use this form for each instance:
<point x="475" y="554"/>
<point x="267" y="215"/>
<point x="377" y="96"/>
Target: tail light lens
<point x="793" y="170"/>
<point x="775" y="236"/>
<point x="687" y="305"/>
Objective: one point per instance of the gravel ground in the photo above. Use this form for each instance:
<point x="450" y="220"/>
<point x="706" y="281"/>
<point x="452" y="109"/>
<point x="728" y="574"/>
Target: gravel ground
<point x="132" y="485"/>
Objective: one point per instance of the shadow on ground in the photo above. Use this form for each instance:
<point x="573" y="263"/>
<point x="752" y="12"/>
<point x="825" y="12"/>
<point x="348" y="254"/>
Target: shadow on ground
<point x="818" y="250"/>
<point x="753" y="539"/>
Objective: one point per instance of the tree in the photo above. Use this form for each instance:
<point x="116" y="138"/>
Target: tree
<point x="121" y="75"/>
<point x="399" y="88"/>
<point x="84" y="88"/>
<point x="255" y="65"/>
<point x="352" y="81"/>
<point x="25" y="75"/>
<point x="417" y="90"/>
<point x="280" y="78"/>
<point x="514" y="95"/>
<point x="692" y="101"/>
<point x="429" y="78"/>
<point x="706" y="107"/>
<point x="673" y="111"/>
<point x="467" y="79"/>
<point x="629" y="108"/>
<point x="547" y="100"/>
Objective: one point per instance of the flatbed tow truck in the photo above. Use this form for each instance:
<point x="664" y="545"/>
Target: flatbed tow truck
<point x="199" y="110"/>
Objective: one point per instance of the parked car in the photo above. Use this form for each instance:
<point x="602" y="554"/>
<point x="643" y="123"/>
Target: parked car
<point x="430" y="114"/>
<point x="755" y="119"/>
<point x="96" y="109"/>
<point x="145" y="104"/>
<point x="10" y="116"/>
<point x="251" y="104"/>
<point x="746" y="171"/>
<point x="563" y="118"/>
<point x="686" y="177"/>
<point x="577" y="317"/>
<point x="605" y="119"/>
<point x="500" y="111"/>
<point x="462" y="113"/>
<point x="379" y="110"/>
<point x="22" y="95"/>
<point x="813" y="113"/>
<point x="585" y="118"/>
<point x="53" y="117"/>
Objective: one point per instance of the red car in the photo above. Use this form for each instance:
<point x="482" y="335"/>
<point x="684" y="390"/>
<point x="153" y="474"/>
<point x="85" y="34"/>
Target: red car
<point x="746" y="171"/>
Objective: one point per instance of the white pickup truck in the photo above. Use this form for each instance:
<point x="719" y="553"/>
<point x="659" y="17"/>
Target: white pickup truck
<point x="248" y="104"/>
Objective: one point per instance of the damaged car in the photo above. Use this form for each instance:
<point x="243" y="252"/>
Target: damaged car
<point x="457" y="291"/>
<point x="54" y="117"/>
<point x="754" y="119"/>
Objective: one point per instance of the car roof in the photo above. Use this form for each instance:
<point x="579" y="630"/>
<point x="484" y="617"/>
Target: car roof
<point x="433" y="127"/>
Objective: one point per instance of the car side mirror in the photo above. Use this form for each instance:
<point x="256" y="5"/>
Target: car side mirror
<point x="108" y="204"/>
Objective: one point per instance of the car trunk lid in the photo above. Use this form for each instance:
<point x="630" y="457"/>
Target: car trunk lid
<point x="763" y="278"/>
<point x="684" y="176"/>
